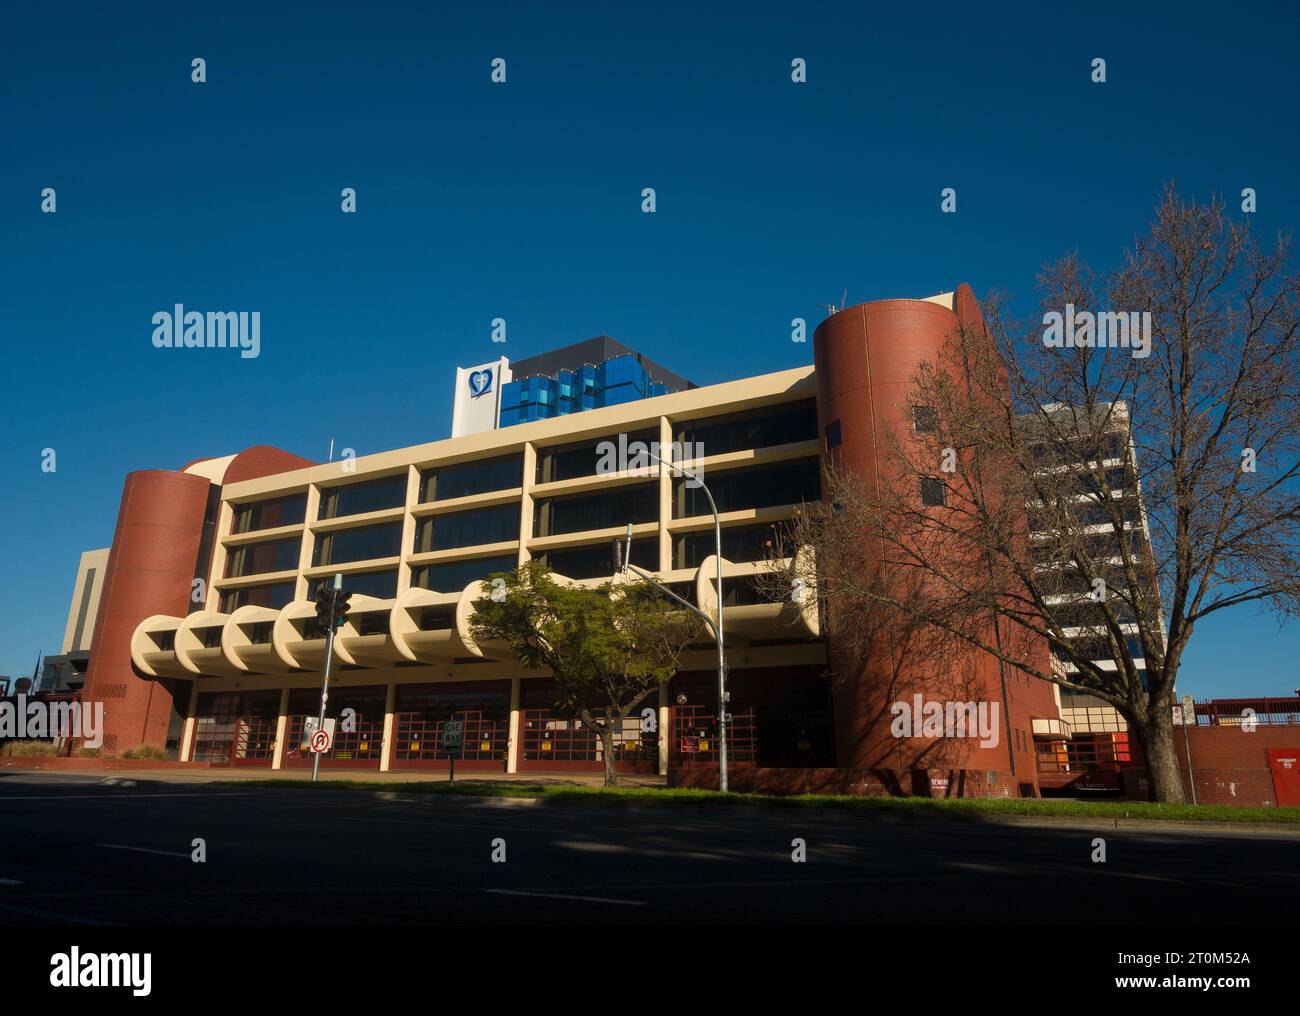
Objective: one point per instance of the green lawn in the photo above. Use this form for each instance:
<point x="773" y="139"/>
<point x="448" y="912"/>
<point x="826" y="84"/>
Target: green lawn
<point x="962" y="808"/>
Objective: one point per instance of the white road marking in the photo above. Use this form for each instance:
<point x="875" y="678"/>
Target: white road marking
<point x="143" y="850"/>
<point x="9" y="881"/>
<point x="565" y="896"/>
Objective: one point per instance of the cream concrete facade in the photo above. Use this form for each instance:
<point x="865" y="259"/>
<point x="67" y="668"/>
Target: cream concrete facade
<point x="262" y="648"/>
<point x="84" y="607"/>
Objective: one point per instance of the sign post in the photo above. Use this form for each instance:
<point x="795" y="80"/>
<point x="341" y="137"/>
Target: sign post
<point x="453" y="737"/>
<point x="325" y="684"/>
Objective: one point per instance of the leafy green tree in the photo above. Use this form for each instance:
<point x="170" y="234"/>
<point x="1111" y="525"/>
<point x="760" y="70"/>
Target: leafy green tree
<point x="607" y="646"/>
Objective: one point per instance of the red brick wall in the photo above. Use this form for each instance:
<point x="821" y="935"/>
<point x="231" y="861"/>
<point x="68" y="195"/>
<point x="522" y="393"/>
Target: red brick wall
<point x="1229" y="765"/>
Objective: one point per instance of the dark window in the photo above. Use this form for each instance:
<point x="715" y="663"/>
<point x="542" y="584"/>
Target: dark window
<point x="280" y="511"/>
<point x="164" y="640"/>
<point x="455" y="576"/>
<point x="739" y="543"/>
<point x="260" y="558"/>
<point x="597" y="560"/>
<point x="379" y="584"/>
<point x="925" y="419"/>
<point x="834" y="435"/>
<point x="932" y="494"/>
<point x="759" y="487"/>
<point x="467" y="529"/>
<point x="371" y="496"/>
<point x="372" y="622"/>
<point x="605" y="510"/>
<point x="439" y="617"/>
<point x="274" y="595"/>
<point x="362" y="544"/>
<point x="209" y="638"/>
<point x="587" y="458"/>
<point x="759" y="428"/>
<point x="465" y="478"/>
<point x="259" y="632"/>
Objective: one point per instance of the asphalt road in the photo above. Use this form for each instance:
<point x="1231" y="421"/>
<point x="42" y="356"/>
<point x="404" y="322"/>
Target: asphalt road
<point x="79" y="851"/>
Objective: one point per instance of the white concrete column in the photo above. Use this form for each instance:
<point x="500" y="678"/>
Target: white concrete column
<point x="665" y="493"/>
<point x="526" y="503"/>
<point x="308" y="541"/>
<point x="187" y="736"/>
<point x="281" y="723"/>
<point x="663" y="729"/>
<point x="386" y="751"/>
<point x="409" y="523"/>
<point x="512" y="745"/>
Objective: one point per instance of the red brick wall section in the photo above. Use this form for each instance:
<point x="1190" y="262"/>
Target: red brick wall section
<point x="1230" y="766"/>
<point x="150" y="571"/>
<point x="865" y="358"/>
<point x="262" y="460"/>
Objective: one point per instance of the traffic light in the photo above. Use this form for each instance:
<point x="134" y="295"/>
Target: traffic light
<point x="324" y="606"/>
<point x="340" y="608"/>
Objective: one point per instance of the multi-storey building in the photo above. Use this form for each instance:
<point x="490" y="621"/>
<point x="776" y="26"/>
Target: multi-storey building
<point x="1098" y="745"/>
<point x="206" y="639"/>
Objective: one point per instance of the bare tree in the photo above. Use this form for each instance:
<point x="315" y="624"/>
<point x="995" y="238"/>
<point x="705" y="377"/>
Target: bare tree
<point x="1155" y="460"/>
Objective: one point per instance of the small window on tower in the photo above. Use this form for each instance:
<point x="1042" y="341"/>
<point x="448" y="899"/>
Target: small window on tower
<point x="925" y="420"/>
<point x="833" y="435"/>
<point x="932" y="492"/>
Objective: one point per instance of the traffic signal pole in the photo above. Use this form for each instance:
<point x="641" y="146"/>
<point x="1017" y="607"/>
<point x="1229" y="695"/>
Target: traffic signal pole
<point x="335" y="589"/>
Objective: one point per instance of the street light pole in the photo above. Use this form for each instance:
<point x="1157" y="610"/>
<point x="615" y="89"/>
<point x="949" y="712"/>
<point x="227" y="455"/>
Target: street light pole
<point x="716" y="626"/>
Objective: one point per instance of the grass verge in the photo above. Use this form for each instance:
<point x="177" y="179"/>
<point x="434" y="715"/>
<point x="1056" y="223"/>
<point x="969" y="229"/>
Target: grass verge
<point x="955" y="808"/>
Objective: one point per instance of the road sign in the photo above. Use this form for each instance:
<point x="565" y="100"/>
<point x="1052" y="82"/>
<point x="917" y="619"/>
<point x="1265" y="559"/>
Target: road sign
<point x="453" y="735"/>
<point x="320" y="742"/>
<point x="310" y="732"/>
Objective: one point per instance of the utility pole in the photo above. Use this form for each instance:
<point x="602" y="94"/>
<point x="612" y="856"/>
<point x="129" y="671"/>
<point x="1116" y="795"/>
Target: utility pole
<point x="331" y="612"/>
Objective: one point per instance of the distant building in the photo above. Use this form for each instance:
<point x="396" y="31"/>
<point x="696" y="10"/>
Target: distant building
<point x="1096" y="740"/>
<point x="593" y="374"/>
<point x="67" y="671"/>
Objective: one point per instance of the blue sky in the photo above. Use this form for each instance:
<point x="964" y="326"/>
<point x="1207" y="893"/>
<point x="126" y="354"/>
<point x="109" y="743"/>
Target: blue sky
<point x="522" y="201"/>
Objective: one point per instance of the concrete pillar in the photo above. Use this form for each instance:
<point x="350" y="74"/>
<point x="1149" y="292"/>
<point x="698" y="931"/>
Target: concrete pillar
<point x="665" y="493"/>
<point x="526" y="502"/>
<point x="512" y="744"/>
<point x="281" y="724"/>
<point x="663" y="729"/>
<point x="187" y="738"/>
<point x="302" y="583"/>
<point x="386" y="751"/>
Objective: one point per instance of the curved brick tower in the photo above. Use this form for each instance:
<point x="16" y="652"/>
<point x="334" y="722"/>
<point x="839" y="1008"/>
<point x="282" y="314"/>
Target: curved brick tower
<point x="865" y="358"/>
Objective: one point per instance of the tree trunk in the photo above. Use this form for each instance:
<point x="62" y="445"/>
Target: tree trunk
<point x="607" y="742"/>
<point x="1156" y="733"/>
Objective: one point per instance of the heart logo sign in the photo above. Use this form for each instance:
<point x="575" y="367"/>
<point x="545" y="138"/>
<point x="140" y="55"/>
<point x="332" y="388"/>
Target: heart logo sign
<point x="480" y="383"/>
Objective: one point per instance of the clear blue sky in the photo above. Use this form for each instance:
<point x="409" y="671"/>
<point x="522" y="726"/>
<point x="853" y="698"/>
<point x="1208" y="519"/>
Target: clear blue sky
<point x="522" y="201"/>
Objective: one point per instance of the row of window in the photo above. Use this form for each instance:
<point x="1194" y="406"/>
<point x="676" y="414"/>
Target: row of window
<point x="752" y="429"/>
<point x="739" y="544"/>
<point x="784" y="483"/>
